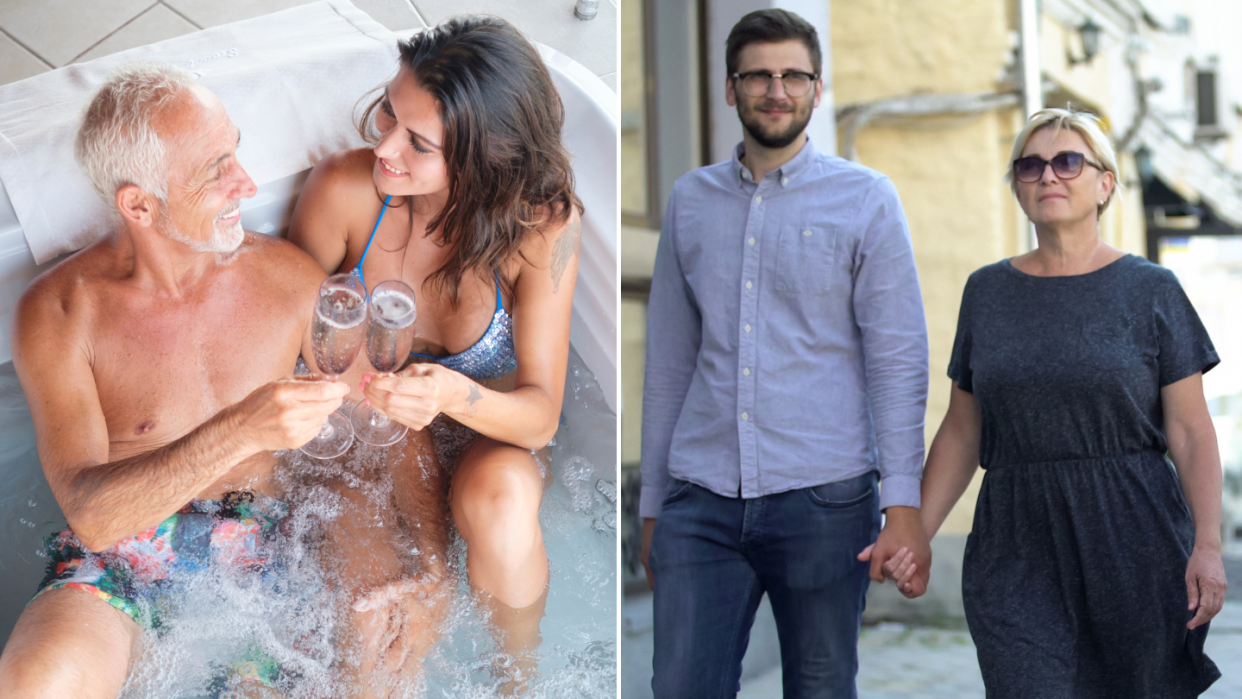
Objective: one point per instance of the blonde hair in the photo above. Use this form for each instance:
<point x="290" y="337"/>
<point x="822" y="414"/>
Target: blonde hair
<point x="117" y="145"/>
<point x="1086" y="125"/>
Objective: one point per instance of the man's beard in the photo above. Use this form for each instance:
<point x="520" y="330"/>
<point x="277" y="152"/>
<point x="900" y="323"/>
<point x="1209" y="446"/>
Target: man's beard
<point x="223" y="239"/>
<point x="768" y="139"/>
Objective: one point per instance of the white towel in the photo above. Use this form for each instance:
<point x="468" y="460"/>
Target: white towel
<point x="289" y="80"/>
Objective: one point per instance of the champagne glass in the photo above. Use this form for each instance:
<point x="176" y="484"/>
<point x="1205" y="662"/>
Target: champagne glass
<point x="336" y="337"/>
<point x="390" y="335"/>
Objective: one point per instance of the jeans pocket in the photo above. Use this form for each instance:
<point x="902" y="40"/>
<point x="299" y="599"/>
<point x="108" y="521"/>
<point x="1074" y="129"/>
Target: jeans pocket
<point x="677" y="489"/>
<point x="845" y="493"/>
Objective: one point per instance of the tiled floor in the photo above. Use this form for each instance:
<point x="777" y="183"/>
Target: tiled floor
<point x="40" y="35"/>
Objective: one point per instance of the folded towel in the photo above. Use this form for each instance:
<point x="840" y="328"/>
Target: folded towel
<point x="289" y="80"/>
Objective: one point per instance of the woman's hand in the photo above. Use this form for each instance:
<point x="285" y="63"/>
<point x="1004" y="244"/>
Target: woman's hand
<point x="1205" y="585"/>
<point x="420" y="392"/>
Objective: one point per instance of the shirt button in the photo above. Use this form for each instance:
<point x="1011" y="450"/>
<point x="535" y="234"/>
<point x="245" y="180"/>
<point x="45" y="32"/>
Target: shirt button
<point x="747" y="327"/>
<point x="752" y="240"/>
<point x="746" y="371"/>
<point x="807" y="232"/>
<point x="748" y="284"/>
<point x="745" y="417"/>
<point x="758" y="199"/>
<point x="784" y="180"/>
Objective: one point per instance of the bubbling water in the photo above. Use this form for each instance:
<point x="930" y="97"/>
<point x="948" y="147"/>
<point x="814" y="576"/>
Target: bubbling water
<point x="230" y="621"/>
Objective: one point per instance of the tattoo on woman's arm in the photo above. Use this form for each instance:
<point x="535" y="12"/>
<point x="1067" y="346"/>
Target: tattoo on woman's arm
<point x="472" y="400"/>
<point x="565" y="247"/>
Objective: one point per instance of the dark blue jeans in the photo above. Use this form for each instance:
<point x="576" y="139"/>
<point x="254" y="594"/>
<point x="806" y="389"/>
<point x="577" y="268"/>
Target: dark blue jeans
<point x="713" y="557"/>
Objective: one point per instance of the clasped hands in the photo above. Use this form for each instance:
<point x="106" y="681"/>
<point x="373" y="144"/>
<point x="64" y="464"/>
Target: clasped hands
<point x="901" y="553"/>
<point x="418" y="393"/>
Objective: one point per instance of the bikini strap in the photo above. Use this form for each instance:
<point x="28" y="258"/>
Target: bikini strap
<point x="496" y="273"/>
<point x="371" y="240"/>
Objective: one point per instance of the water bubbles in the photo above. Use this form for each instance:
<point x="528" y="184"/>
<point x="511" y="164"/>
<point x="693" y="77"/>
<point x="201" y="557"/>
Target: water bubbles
<point x="575" y="473"/>
<point x="608" y="489"/>
<point x="295" y="615"/>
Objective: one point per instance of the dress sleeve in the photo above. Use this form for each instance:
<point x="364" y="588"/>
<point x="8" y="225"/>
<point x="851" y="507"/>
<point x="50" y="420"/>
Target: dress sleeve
<point x="1184" y="346"/>
<point x="959" y="361"/>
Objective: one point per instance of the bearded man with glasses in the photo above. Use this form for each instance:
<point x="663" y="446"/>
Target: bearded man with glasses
<point x="786" y="382"/>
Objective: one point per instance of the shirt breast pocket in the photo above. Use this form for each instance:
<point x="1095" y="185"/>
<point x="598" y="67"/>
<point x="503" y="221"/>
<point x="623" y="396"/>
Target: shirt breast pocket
<point x="804" y="258"/>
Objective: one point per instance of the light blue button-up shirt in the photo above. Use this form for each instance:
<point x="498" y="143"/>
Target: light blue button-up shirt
<point x="786" y="344"/>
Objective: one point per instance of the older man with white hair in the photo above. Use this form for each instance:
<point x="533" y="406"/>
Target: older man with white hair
<point x="156" y="364"/>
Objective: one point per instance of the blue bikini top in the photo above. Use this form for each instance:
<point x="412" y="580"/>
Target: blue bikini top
<point x="492" y="356"/>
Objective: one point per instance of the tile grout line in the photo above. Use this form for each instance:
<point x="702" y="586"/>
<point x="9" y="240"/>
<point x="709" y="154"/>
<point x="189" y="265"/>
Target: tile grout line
<point x="88" y="49"/>
<point x="29" y="50"/>
<point x="173" y="10"/>
<point x="417" y="14"/>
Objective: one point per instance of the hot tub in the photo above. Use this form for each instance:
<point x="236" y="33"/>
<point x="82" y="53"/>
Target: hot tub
<point x="579" y="513"/>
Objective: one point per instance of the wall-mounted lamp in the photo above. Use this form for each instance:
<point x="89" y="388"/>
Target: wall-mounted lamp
<point x="1090" y="33"/>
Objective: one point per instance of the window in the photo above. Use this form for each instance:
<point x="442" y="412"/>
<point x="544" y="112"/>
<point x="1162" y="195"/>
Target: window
<point x="1205" y="99"/>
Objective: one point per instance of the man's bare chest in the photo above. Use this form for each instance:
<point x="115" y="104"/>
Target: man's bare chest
<point x="162" y="369"/>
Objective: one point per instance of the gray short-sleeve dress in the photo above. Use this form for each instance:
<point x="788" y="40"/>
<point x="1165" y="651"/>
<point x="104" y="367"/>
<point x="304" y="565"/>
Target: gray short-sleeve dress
<point x="1074" y="573"/>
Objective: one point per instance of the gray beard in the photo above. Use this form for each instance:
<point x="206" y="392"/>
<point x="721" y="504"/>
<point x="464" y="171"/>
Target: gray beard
<point x="222" y="240"/>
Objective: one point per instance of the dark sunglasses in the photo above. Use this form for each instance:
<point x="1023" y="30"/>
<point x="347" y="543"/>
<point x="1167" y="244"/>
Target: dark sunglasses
<point x="1067" y="166"/>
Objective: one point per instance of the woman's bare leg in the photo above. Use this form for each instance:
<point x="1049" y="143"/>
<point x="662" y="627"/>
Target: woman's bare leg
<point x="520" y="638"/>
<point x="495" y="501"/>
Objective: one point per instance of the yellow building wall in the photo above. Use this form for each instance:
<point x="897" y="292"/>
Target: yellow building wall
<point x="889" y="48"/>
<point x="633" y="157"/>
<point x="949" y="171"/>
<point x="633" y="360"/>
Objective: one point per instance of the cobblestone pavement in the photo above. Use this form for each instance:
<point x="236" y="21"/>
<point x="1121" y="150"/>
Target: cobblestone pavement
<point x="900" y="662"/>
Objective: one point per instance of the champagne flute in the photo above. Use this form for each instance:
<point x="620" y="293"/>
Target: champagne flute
<point x="390" y="335"/>
<point x="336" y="337"/>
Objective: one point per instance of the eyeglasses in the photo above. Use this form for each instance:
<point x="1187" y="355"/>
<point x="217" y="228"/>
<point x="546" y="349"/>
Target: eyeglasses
<point x="1067" y="166"/>
<point x="757" y="83"/>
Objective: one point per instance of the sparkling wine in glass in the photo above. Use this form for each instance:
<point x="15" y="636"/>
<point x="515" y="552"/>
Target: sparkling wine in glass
<point x="390" y="335"/>
<point x="336" y="336"/>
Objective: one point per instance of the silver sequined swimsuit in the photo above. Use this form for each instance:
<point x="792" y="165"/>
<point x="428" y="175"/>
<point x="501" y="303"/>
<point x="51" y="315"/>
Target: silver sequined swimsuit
<point x="491" y="357"/>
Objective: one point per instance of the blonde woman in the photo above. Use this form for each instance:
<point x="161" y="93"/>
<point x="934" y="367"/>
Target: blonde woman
<point x="1094" y="563"/>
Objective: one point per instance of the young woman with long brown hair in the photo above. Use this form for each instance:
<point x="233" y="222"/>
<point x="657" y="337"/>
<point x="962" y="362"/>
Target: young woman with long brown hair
<point x="467" y="197"/>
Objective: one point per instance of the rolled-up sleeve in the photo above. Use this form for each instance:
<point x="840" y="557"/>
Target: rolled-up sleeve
<point x="674" y="332"/>
<point x="888" y="307"/>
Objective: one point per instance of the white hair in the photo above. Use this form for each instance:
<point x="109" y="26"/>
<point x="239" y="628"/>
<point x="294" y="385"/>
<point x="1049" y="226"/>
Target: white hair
<point x="117" y="145"/>
<point x="1086" y="125"/>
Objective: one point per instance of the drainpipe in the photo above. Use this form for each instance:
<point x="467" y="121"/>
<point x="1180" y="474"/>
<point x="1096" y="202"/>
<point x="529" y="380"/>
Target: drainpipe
<point x="1032" y="81"/>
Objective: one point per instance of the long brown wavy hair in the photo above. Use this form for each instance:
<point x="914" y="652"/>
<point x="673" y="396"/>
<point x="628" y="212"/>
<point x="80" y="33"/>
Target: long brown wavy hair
<point x="508" y="171"/>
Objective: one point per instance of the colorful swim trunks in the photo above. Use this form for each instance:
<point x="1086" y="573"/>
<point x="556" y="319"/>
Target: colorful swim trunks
<point x="136" y="574"/>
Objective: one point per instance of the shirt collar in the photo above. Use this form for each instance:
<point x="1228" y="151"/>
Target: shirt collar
<point x="785" y="174"/>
